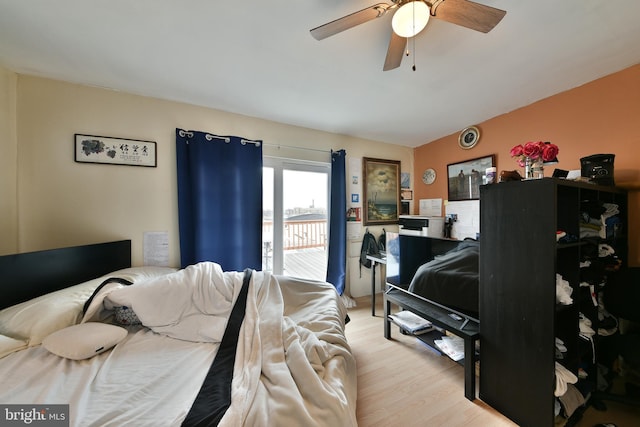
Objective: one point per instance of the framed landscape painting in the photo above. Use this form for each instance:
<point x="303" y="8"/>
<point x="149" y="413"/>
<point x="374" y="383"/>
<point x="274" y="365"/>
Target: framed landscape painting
<point x="381" y="192"/>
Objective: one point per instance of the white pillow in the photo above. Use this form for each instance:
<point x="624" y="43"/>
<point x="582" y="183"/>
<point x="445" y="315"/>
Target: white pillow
<point x="85" y="340"/>
<point x="9" y="345"/>
<point x="33" y="320"/>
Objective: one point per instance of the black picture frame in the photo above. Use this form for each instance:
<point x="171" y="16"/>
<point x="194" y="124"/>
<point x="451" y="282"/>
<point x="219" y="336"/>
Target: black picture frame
<point x="465" y="178"/>
<point x="114" y="151"/>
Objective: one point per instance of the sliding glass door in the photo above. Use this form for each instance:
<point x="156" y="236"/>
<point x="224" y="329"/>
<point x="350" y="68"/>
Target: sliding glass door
<point x="295" y="213"/>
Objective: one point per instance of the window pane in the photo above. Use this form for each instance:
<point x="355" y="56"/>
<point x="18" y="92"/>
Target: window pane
<point x="305" y="224"/>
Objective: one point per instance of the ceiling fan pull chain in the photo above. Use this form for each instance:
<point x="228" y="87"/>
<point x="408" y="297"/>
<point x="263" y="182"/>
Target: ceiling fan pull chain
<point x="413" y="24"/>
<point x="413" y="7"/>
<point x="413" y="41"/>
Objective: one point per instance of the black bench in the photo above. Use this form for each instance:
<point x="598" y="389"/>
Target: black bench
<point x="442" y="317"/>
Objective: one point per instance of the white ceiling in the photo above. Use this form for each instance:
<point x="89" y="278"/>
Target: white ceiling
<point x="258" y="59"/>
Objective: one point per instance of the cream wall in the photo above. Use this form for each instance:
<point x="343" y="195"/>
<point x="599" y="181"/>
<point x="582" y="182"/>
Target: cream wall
<point x="64" y="203"/>
<point x="8" y="162"/>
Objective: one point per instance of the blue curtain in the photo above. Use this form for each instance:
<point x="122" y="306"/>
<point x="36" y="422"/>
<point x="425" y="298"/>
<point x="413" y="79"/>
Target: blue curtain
<point x="336" y="264"/>
<point x="219" y="200"/>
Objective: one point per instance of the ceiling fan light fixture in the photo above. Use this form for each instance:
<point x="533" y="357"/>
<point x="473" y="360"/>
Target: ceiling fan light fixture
<point x="410" y="18"/>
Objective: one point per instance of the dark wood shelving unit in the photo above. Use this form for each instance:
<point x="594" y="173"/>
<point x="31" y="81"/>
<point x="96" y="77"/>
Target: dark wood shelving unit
<point x="520" y="318"/>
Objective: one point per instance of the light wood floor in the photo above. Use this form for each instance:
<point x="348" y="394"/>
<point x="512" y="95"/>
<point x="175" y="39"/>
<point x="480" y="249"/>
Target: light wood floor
<point x="401" y="382"/>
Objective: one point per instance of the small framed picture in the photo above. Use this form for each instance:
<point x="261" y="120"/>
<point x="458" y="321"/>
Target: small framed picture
<point x="114" y="151"/>
<point x="406" y="194"/>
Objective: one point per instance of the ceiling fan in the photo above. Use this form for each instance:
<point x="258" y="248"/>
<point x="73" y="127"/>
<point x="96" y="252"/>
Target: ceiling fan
<point x="410" y="17"/>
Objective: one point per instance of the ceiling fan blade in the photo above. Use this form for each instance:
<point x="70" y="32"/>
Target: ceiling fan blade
<point x="468" y="14"/>
<point x="349" y="21"/>
<point x="395" y="52"/>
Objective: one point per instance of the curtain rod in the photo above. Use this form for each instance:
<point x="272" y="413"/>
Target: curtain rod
<point x="257" y="143"/>
<point x="211" y="137"/>
<point x="279" y="146"/>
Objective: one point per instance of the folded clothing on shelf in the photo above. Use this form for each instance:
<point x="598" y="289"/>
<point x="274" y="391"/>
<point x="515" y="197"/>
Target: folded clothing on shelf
<point x="411" y="322"/>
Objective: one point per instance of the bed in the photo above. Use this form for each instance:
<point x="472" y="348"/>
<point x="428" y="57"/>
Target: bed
<point x="438" y="280"/>
<point x="200" y="346"/>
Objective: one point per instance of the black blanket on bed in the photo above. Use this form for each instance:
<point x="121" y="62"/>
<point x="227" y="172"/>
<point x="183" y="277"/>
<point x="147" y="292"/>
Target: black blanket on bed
<point x="215" y="394"/>
<point x="451" y="279"/>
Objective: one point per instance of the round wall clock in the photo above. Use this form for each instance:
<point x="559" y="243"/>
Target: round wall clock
<point x="429" y="176"/>
<point x="469" y="137"/>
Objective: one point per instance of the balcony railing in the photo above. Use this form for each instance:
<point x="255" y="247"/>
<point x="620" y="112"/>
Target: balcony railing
<point x="300" y="234"/>
<point x="305" y="244"/>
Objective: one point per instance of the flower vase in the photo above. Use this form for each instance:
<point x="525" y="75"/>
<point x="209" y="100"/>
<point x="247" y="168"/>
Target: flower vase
<point x="528" y="168"/>
<point x="533" y="169"/>
<point x="538" y="169"/>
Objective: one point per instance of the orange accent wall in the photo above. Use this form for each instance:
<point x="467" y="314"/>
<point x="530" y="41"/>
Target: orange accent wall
<point x="596" y="118"/>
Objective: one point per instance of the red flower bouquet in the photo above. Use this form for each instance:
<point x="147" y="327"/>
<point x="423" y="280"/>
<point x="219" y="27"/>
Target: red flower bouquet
<point x="535" y="151"/>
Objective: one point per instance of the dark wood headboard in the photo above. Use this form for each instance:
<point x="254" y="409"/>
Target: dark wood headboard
<point x="31" y="274"/>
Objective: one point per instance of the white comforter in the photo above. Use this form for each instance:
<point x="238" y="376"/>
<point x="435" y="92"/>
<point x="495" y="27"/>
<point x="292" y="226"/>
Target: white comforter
<point x="293" y="365"/>
<point x="191" y="304"/>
